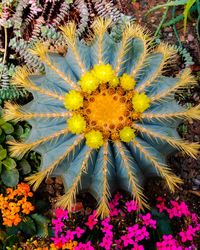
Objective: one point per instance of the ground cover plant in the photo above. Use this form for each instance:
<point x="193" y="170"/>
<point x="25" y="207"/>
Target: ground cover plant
<point x="85" y="230"/>
<point x="100" y="106"/>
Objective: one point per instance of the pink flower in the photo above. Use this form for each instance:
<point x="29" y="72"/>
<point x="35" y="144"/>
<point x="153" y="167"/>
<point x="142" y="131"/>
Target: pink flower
<point x="137" y="247"/>
<point x="86" y="246"/>
<point x="70" y="235"/>
<point x="161" y="204"/>
<point x="188" y="234"/>
<point x="168" y="243"/>
<point x="108" y="234"/>
<point x="131" y="206"/>
<point x="92" y="220"/>
<point x="57" y="225"/>
<point x="61" y="213"/>
<point x="127" y="240"/>
<point x="178" y="210"/>
<point x="79" y="232"/>
<point x="148" y="221"/>
<point x="119" y="245"/>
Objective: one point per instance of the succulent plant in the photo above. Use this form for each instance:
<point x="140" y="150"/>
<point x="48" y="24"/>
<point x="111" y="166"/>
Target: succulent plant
<point x="104" y="117"/>
<point x="9" y="167"/>
<point x="24" y="22"/>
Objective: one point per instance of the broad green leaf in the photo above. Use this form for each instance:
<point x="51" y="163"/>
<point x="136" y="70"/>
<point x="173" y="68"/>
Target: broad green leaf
<point x="163" y="223"/>
<point x="27" y="226"/>
<point x="41" y="225"/>
<point x="3" y="153"/>
<point x="10" y="241"/>
<point x="10" y="177"/>
<point x="25" y="166"/>
<point x="2" y="121"/>
<point x="19" y="131"/>
<point x="3" y="235"/>
<point x="8" y="128"/>
<point x="2" y="137"/>
<point x="187" y="8"/>
<point x="9" y="163"/>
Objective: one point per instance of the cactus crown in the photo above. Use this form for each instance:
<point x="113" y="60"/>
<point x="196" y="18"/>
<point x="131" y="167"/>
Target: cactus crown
<point x="104" y="116"/>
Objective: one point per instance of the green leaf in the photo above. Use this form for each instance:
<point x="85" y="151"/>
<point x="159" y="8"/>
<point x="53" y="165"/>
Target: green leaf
<point x="8" y="128"/>
<point x="41" y="225"/>
<point x="163" y="223"/>
<point x="9" y="163"/>
<point x="2" y="137"/>
<point x="187" y="8"/>
<point x="10" y="177"/>
<point x="10" y="241"/>
<point x="28" y="226"/>
<point x="2" y="121"/>
<point x="19" y="131"/>
<point x="170" y="4"/>
<point x="3" y="235"/>
<point x="25" y="166"/>
<point x="3" y="153"/>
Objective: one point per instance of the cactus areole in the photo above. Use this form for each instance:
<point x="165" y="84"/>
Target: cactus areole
<point x="103" y="117"/>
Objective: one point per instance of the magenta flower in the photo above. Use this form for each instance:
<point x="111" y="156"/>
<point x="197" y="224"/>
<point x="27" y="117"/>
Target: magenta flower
<point x="79" y="232"/>
<point x="127" y="240"/>
<point x="148" y="221"/>
<point x="161" y="204"/>
<point x="188" y="234"/>
<point x="168" y="243"/>
<point x="131" y="206"/>
<point x="137" y="247"/>
<point x="92" y="220"/>
<point x="178" y="210"/>
<point x="108" y="234"/>
<point x="84" y="246"/>
<point x="69" y="235"/>
<point x="61" y="213"/>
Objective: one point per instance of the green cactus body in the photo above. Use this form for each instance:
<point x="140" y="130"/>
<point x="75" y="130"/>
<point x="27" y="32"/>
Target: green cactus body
<point x="103" y="117"/>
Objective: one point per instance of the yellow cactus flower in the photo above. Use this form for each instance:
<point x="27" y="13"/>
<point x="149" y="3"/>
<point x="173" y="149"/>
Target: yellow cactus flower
<point x="88" y="82"/>
<point x="103" y="72"/>
<point x="127" y="82"/>
<point x="76" y="124"/>
<point x="127" y="134"/>
<point x="140" y="102"/>
<point x="94" y="139"/>
<point x="114" y="82"/>
<point x="73" y="100"/>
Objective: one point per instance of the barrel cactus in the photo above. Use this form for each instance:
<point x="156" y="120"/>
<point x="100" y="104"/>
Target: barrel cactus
<point x="103" y="117"/>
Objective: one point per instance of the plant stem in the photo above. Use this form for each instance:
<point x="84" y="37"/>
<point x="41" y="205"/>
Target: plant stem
<point x="5" y="49"/>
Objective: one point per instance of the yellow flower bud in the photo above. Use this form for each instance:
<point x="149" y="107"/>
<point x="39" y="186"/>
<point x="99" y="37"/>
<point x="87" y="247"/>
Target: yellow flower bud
<point x="76" y="124"/>
<point x="114" y="82"/>
<point x="94" y="139"/>
<point x="88" y="82"/>
<point x="73" y="100"/>
<point x="140" y="102"/>
<point x="127" y="134"/>
<point x="127" y="82"/>
<point x="103" y="72"/>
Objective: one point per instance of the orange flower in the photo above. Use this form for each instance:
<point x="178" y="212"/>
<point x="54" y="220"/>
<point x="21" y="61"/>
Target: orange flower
<point x="27" y="207"/>
<point x="15" y="204"/>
